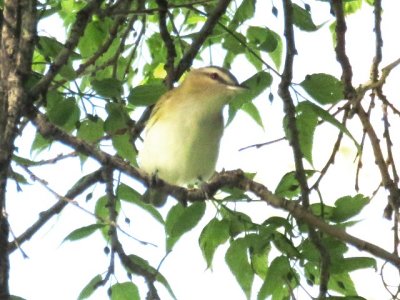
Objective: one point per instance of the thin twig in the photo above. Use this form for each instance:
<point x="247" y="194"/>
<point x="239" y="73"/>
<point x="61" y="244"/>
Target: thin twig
<point x="79" y="187"/>
<point x="263" y="144"/>
<point x="205" y="31"/>
<point x="78" y="28"/>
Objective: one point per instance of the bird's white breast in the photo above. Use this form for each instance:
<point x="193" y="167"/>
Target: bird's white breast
<point x="182" y="147"/>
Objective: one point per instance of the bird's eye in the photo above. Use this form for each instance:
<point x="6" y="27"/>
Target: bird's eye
<point x="214" y="76"/>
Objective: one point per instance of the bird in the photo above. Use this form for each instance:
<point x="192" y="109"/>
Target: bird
<point x="182" y="136"/>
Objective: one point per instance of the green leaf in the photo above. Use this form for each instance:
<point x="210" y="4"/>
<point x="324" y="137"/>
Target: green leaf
<point x="253" y="112"/>
<point x="181" y="220"/>
<point x="90" y="287"/>
<point x="117" y="118"/>
<point x="284" y="245"/>
<point x="347" y="207"/>
<point x="262" y="38"/>
<point x="277" y="222"/>
<point x="324" y="88"/>
<point x="259" y="260"/>
<point x="108" y="87"/>
<point x="50" y="47"/>
<point x="13" y="297"/>
<point x="17" y="177"/>
<point x="95" y="34"/>
<point x="91" y="130"/>
<point x="306" y="121"/>
<point x="24" y="161"/>
<point x="326" y="116"/>
<point x="322" y="210"/>
<point x="237" y="260"/>
<point x="244" y="12"/>
<point x="147" y="94"/>
<point x="65" y="114"/>
<point x="239" y="222"/>
<point x="351" y="7"/>
<point x="349" y="264"/>
<point x="82" y="232"/>
<point x="128" y="194"/>
<point x="345" y="298"/>
<point x="40" y="143"/>
<point x="122" y="143"/>
<point x="256" y="85"/>
<point x="302" y="19"/>
<point x="254" y="58"/>
<point x="125" y="291"/>
<point x="233" y="44"/>
<point x="276" y="55"/>
<point x="214" y="234"/>
<point x="342" y="283"/>
<point x="288" y="186"/>
<point x="278" y="275"/>
<point x="102" y="212"/>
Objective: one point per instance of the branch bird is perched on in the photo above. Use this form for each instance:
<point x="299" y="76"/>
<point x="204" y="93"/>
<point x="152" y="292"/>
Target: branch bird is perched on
<point x="183" y="133"/>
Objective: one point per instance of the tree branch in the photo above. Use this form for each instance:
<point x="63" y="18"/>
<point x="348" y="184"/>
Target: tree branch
<point x="290" y="112"/>
<point x="232" y="178"/>
<point x="82" y="19"/>
<point x="18" y="33"/>
<point x="239" y="180"/>
<point x="169" y="43"/>
<point x="205" y="31"/>
<point x="80" y="186"/>
<point x="340" y="49"/>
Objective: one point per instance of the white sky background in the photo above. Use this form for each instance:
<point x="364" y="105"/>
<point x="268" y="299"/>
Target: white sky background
<point x="60" y="271"/>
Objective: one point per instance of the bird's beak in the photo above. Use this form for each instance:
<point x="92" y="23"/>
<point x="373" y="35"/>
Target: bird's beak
<point x="238" y="87"/>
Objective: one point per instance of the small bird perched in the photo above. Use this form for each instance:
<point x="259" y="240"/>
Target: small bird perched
<point x="183" y="133"/>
